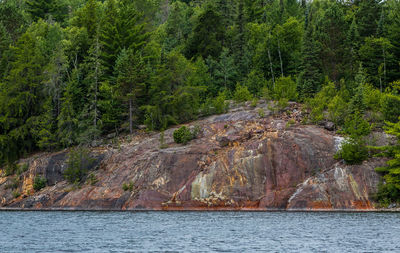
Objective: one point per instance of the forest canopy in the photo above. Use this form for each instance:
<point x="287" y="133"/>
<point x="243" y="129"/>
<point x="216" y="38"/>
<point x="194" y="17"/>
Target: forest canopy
<point x="75" y="70"/>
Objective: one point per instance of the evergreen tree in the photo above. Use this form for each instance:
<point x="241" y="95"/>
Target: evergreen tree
<point x="310" y="76"/>
<point x="208" y="34"/>
<point x="226" y="71"/>
<point x="390" y="191"/>
<point x="367" y="16"/>
<point x="131" y="78"/>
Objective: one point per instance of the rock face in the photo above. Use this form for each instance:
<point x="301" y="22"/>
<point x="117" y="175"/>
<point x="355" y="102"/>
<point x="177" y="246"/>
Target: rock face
<point x="238" y="162"/>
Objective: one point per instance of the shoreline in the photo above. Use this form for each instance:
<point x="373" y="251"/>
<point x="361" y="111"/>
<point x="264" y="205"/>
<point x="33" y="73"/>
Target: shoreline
<point x="10" y="209"/>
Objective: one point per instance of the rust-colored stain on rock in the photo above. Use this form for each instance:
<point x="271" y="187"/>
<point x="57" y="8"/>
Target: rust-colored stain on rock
<point x="238" y="162"/>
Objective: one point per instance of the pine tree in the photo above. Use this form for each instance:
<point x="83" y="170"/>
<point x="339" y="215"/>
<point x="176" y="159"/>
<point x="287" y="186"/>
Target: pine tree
<point x="310" y="76"/>
<point x="226" y="70"/>
<point x="208" y="34"/>
<point x="390" y="191"/>
<point x="131" y="79"/>
<point x="121" y="30"/>
<point x="367" y="16"/>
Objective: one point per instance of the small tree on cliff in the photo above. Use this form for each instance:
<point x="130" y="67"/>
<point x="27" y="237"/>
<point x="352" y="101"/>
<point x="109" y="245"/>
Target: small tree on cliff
<point x="389" y="191"/>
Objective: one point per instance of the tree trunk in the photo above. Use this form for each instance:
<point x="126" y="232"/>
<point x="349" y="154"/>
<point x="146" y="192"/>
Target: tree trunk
<point x="130" y="116"/>
<point x="280" y="57"/>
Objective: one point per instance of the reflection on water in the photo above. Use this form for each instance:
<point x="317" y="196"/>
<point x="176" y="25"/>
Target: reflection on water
<point x="198" y="231"/>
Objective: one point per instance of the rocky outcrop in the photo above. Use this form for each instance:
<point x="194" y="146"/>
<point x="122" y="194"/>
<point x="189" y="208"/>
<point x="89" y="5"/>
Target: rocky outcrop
<point x="239" y="161"/>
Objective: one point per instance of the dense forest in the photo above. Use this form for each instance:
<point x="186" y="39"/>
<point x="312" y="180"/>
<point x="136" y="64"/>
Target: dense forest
<point x="75" y="70"/>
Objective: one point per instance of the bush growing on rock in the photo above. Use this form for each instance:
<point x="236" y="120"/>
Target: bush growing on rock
<point x="353" y="152"/>
<point x="128" y="186"/>
<point x="39" y="183"/>
<point x="183" y="135"/>
<point x="286" y="88"/>
<point x="391" y="107"/>
<point x="79" y="161"/>
<point x="16" y="194"/>
<point x="242" y="94"/>
<point x="389" y="191"/>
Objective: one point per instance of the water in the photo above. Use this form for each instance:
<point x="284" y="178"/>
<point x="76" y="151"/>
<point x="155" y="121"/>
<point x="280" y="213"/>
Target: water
<point x="198" y="232"/>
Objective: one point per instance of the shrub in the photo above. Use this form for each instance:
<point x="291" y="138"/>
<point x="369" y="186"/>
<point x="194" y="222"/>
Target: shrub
<point x="389" y="191"/>
<point x="128" y="186"/>
<point x="261" y="113"/>
<point x="254" y="102"/>
<point x="353" y="151"/>
<point x="220" y="104"/>
<point x="282" y="104"/>
<point x="14" y="183"/>
<point x="356" y="126"/>
<point x="162" y="141"/>
<point x="10" y="169"/>
<point x="290" y="123"/>
<point x="79" y="161"/>
<point x="255" y="81"/>
<point x="319" y="103"/>
<point x="22" y="168"/>
<point x="286" y="88"/>
<point x="92" y="180"/>
<point x="391" y="107"/>
<point x="242" y="94"/>
<point x="184" y="135"/>
<point x="39" y="183"/>
<point x="337" y="110"/>
<point x="16" y="194"/>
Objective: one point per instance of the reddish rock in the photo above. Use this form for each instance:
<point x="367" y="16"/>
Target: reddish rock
<point x="239" y="162"/>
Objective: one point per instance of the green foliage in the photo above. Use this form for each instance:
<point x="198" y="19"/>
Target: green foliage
<point x="14" y="183"/>
<point x="92" y="179"/>
<point x="242" y="94"/>
<point x="261" y="113"/>
<point x="183" y="135"/>
<point x="389" y="191"/>
<point x="79" y="162"/>
<point x="285" y="87"/>
<point x="391" y="107"/>
<point x="208" y="34"/>
<point x="73" y="71"/>
<point x="22" y="168"/>
<point x="353" y="151"/>
<point x="220" y="105"/>
<point x="16" y="194"/>
<point x="337" y="110"/>
<point x="355" y="126"/>
<point x="163" y="145"/>
<point x="128" y="186"/>
<point x="39" y="183"/>
<point x="319" y="103"/>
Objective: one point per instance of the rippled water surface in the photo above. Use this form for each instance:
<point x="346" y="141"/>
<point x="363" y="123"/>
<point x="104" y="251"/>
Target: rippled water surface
<point x="198" y="232"/>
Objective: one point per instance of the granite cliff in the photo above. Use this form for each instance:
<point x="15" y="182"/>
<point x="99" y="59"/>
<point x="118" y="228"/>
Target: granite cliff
<point x="240" y="161"/>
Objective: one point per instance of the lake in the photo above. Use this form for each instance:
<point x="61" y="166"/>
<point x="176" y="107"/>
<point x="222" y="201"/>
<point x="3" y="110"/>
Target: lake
<point x="199" y="232"/>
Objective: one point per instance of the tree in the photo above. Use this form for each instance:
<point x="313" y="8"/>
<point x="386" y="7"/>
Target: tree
<point x="330" y="34"/>
<point x="226" y="72"/>
<point x="24" y="104"/>
<point x="377" y="58"/>
<point x="208" y="34"/>
<point x="122" y="29"/>
<point x="310" y="76"/>
<point x="367" y="15"/>
<point x="390" y="190"/>
<point x="131" y="77"/>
